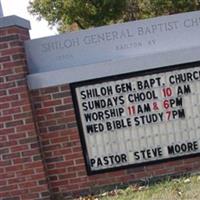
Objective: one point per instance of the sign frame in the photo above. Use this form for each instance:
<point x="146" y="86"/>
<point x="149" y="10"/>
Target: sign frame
<point x="157" y="70"/>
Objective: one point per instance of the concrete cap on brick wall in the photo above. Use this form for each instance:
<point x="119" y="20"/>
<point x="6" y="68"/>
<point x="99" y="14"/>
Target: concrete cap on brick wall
<point x="1" y="10"/>
<point x="14" y="20"/>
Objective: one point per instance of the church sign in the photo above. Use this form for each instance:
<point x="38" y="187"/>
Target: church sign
<point x="139" y="118"/>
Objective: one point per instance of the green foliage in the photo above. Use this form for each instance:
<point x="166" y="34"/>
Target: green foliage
<point x="177" y="189"/>
<point x="160" y="7"/>
<point x="86" y="13"/>
<point x="92" y="13"/>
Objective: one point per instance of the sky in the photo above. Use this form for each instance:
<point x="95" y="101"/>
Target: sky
<point x="19" y="7"/>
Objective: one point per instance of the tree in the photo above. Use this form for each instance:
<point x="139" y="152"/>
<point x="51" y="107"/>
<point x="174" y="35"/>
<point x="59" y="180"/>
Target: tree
<point x="85" y="13"/>
<point x="160" y="7"/>
<point x="92" y="13"/>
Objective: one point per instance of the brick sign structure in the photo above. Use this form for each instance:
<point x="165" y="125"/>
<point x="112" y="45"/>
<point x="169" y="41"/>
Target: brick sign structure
<point x="129" y="119"/>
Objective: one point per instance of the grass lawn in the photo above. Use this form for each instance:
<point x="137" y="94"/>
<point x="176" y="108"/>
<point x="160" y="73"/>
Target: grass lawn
<point x="176" y="189"/>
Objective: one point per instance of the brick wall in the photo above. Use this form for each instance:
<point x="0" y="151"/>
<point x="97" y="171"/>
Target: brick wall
<point x="63" y="155"/>
<point x="22" y="174"/>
